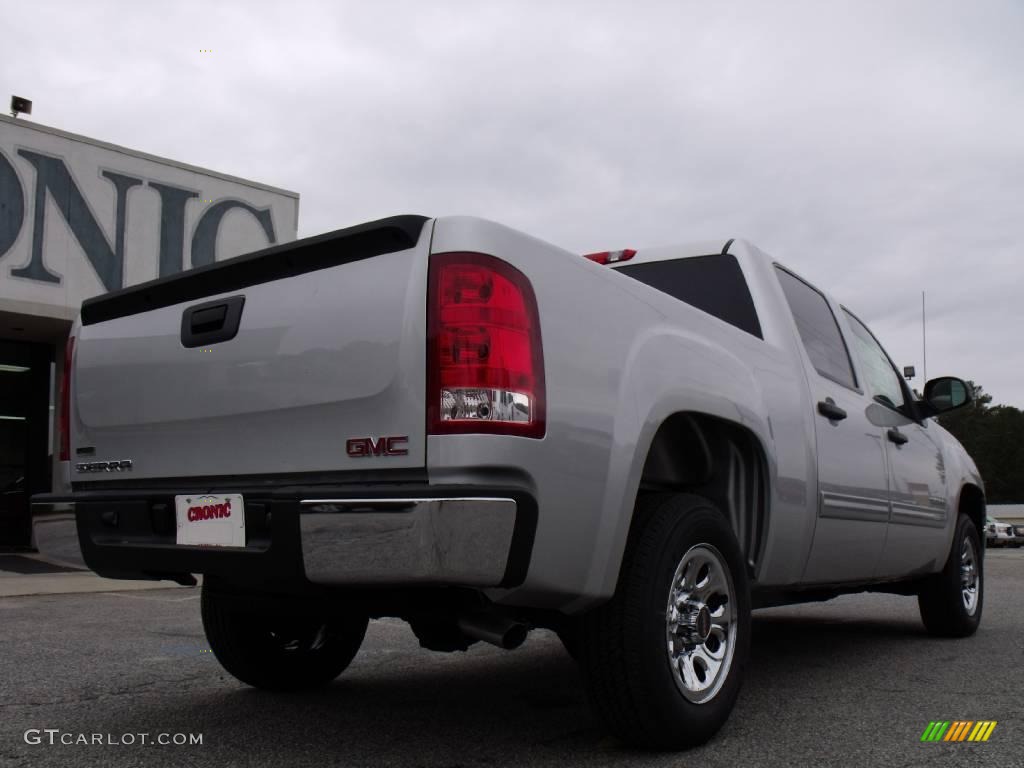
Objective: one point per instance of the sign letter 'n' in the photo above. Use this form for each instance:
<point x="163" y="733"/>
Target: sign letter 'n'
<point x="52" y="176"/>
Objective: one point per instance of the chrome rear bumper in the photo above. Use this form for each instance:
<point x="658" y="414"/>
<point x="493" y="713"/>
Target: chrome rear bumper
<point x="55" y="532"/>
<point x="392" y="541"/>
<point x="462" y="541"/>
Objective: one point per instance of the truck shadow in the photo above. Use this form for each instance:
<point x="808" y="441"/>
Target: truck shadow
<point x="401" y="705"/>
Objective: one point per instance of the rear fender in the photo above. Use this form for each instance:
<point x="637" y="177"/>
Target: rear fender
<point x="718" y="385"/>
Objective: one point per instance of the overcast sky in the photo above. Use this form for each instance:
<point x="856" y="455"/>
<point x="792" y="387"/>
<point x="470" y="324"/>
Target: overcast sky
<point x="875" y="147"/>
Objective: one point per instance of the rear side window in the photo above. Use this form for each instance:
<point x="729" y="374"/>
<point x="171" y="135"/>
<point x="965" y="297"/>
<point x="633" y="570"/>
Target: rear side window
<point x="713" y="284"/>
<point x="819" y="330"/>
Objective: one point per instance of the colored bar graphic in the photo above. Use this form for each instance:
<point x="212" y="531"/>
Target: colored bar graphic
<point x="935" y="730"/>
<point x="958" y="730"/>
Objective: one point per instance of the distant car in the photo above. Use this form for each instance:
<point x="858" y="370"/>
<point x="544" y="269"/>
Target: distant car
<point x="999" y="534"/>
<point x="1019" y="529"/>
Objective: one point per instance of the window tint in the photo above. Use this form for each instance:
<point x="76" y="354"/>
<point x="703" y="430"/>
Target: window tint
<point x="818" y="330"/>
<point x="713" y="284"/>
<point x="881" y="379"/>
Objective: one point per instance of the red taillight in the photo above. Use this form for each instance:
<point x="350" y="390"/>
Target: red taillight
<point x="485" y="365"/>
<point x="65" y="401"/>
<point x="611" y="257"/>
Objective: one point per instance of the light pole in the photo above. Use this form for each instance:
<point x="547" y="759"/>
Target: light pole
<point x="924" y="342"/>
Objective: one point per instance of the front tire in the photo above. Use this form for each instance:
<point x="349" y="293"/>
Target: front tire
<point x="951" y="600"/>
<point x="278" y="652"/>
<point x="664" y="658"/>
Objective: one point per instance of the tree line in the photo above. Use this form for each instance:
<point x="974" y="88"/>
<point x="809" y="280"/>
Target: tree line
<point x="994" y="436"/>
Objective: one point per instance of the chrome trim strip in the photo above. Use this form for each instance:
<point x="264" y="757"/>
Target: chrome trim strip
<point x="841" y="506"/>
<point x="915" y="514"/>
<point x="906" y="506"/>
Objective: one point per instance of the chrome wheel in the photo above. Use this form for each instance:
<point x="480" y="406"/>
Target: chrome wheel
<point x="969" y="582"/>
<point x="700" y="623"/>
<point x="304" y="639"/>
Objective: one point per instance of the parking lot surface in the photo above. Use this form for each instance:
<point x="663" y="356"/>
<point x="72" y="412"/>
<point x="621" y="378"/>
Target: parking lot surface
<point x="851" y="682"/>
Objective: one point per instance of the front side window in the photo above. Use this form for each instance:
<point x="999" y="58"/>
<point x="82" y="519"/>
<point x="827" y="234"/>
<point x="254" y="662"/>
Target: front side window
<point x="818" y="329"/>
<point x="881" y="379"/>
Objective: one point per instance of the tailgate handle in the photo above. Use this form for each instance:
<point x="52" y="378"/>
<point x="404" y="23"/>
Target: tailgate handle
<point x="212" y="322"/>
<point x="212" y="319"/>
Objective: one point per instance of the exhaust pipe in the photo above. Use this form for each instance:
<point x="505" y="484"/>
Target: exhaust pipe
<point x="494" y="629"/>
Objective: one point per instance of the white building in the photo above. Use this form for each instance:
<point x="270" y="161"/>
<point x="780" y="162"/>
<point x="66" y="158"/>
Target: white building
<point x="80" y="217"/>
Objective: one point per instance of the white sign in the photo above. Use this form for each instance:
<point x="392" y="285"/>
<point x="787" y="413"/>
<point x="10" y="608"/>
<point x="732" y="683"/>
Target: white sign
<point x="79" y="218"/>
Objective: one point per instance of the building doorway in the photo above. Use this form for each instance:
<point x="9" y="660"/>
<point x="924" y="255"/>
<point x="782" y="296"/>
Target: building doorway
<point x="26" y="399"/>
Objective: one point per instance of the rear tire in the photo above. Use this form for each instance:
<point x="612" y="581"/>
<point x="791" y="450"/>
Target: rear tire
<point x="276" y="652"/>
<point x="663" y="659"/>
<point x="571" y="635"/>
<point x="951" y="600"/>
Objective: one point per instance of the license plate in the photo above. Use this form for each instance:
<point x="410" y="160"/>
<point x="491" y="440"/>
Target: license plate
<point x="211" y="520"/>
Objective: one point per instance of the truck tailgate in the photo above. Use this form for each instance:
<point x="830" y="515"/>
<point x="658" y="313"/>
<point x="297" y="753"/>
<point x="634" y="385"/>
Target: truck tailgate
<point x="330" y="348"/>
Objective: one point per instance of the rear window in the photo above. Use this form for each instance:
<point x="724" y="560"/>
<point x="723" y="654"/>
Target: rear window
<point x="712" y="284"/>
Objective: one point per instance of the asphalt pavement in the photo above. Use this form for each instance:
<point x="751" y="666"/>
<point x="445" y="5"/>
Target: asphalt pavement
<point x="851" y="682"/>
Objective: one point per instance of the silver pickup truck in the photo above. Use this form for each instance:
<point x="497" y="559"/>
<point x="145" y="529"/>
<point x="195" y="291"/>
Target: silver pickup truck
<point x="451" y="422"/>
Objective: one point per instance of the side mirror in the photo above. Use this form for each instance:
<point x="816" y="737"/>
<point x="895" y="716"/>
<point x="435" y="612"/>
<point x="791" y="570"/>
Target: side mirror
<point x="945" y="394"/>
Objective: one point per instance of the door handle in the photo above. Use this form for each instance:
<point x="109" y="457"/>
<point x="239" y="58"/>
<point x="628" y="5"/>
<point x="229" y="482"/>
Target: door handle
<point x="896" y="436"/>
<point x="830" y="410"/>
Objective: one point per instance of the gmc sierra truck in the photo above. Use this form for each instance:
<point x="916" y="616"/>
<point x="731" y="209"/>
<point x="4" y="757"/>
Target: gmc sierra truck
<point x="447" y="421"/>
